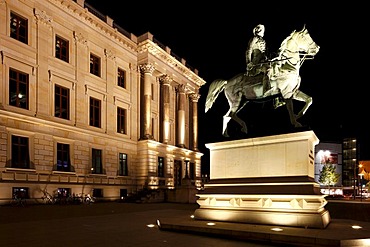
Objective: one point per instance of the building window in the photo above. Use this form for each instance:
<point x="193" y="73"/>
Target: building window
<point x="160" y="167"/>
<point x="63" y="158"/>
<point x="123" y="169"/>
<point x="63" y="194"/>
<point x="97" y="193"/>
<point x="20" y="153"/>
<point x="121" y="78"/>
<point x="18" y="28"/>
<point x="61" y="48"/>
<point x="61" y="102"/>
<point x="97" y="161"/>
<point x="95" y="108"/>
<point x="152" y="127"/>
<point x="18" y="89"/>
<point x="192" y="171"/>
<point x="152" y="90"/>
<point x="95" y="65"/>
<point x="20" y="193"/>
<point x="121" y="120"/>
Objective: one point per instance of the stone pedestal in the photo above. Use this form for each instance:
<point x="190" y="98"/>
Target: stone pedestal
<point x="265" y="180"/>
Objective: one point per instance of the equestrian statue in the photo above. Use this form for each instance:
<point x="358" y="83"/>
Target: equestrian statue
<point x="280" y="73"/>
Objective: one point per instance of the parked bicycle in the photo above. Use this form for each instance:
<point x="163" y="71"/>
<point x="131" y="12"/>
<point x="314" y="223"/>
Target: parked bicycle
<point x="48" y="198"/>
<point x="18" y="199"/>
<point x="88" y="199"/>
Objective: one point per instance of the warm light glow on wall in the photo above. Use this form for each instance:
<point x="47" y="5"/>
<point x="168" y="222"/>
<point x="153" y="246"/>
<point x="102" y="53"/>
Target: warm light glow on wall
<point x="167" y="130"/>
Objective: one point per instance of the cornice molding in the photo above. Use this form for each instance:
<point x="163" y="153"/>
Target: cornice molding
<point x="90" y="19"/>
<point x="152" y="48"/>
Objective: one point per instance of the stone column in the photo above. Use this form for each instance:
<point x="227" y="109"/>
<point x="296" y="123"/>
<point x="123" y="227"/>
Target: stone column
<point x="147" y="69"/>
<point x="194" y="99"/>
<point x="165" y="80"/>
<point x="181" y="116"/>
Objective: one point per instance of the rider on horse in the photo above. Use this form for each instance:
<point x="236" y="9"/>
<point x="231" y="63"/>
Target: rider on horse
<point x="257" y="61"/>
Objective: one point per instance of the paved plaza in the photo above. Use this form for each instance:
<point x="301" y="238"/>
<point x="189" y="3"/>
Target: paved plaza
<point x="126" y="224"/>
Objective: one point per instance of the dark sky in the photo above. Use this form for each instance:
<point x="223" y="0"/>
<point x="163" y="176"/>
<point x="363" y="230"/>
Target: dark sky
<point x="212" y="37"/>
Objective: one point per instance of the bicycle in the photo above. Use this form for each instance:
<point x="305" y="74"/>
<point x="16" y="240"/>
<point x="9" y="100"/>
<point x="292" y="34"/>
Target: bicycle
<point x="47" y="198"/>
<point x="18" y="201"/>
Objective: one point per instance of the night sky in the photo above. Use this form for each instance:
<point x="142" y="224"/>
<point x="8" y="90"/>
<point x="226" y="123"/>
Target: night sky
<point x="212" y="37"/>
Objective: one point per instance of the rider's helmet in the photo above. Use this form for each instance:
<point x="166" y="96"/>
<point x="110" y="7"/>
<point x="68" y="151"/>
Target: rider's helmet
<point x="259" y="30"/>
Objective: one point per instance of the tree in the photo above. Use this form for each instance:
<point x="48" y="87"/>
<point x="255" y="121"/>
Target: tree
<point x="328" y="176"/>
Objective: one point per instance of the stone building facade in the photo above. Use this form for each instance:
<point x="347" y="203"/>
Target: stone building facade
<point x="88" y="108"/>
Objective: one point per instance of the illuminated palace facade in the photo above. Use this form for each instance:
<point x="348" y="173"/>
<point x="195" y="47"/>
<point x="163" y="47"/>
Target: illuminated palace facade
<point x="88" y="108"/>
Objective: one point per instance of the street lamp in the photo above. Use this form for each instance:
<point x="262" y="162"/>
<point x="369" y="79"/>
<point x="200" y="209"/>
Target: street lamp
<point x="360" y="182"/>
<point x="360" y="174"/>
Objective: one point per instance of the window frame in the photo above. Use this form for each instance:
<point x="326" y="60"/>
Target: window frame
<point x="20" y="31"/>
<point x="160" y="166"/>
<point x="123" y="164"/>
<point x="62" y="48"/>
<point x="96" y="161"/>
<point x="121" y="120"/>
<point x="20" y="152"/>
<point x="59" y="94"/>
<point x="64" y="155"/>
<point x="19" y="83"/>
<point x="95" y="112"/>
<point x="95" y="65"/>
<point x="121" y="78"/>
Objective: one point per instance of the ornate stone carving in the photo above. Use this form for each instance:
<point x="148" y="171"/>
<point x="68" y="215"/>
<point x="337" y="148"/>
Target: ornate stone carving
<point x="79" y="37"/>
<point x="165" y="79"/>
<point x="147" y="68"/>
<point x="109" y="54"/>
<point x="42" y="17"/>
<point x="181" y="88"/>
<point x="194" y="97"/>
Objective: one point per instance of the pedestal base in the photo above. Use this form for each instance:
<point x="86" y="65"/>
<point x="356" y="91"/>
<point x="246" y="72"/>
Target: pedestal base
<point x="267" y="180"/>
<point x="284" y="210"/>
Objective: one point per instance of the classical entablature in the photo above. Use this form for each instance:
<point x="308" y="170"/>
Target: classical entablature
<point x="98" y="24"/>
<point x="149" y="46"/>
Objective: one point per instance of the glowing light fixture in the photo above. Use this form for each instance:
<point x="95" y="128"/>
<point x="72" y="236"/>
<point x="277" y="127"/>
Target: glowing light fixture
<point x="356" y="227"/>
<point x="276" y="229"/>
<point x="211" y="224"/>
<point x="150" y="225"/>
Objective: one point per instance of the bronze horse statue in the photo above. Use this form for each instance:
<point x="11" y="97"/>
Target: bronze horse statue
<point x="284" y="78"/>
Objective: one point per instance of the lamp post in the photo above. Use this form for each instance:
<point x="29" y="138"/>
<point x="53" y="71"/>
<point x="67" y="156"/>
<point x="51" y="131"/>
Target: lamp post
<point x="360" y="183"/>
<point x="360" y="174"/>
<point x="354" y="181"/>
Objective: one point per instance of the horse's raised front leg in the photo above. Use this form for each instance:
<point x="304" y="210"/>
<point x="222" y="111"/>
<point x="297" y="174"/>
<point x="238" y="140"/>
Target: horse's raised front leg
<point x="226" y="120"/>
<point x="231" y="114"/>
<point x="292" y="116"/>
<point x="300" y="96"/>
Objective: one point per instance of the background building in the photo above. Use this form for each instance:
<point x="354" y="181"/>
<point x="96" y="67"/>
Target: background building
<point x="88" y="108"/>
<point x="329" y="154"/>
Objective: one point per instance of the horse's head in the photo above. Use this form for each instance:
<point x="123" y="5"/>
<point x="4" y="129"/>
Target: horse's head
<point x="297" y="47"/>
<point x="305" y="43"/>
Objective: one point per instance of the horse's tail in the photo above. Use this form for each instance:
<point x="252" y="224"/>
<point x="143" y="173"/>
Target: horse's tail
<point x="216" y="87"/>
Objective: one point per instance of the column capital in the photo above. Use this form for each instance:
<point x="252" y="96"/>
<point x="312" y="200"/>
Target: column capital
<point x="147" y="68"/>
<point x="165" y="79"/>
<point x="194" y="97"/>
<point x="181" y="88"/>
